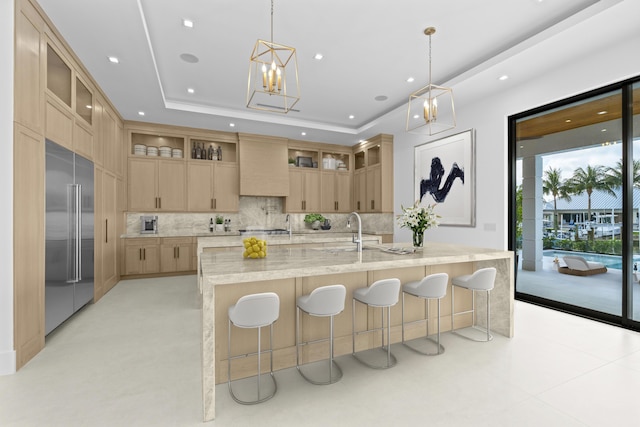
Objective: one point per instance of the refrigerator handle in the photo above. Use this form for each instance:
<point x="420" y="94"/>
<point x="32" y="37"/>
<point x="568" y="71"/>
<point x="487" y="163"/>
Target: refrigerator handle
<point x="79" y="232"/>
<point x="71" y="242"/>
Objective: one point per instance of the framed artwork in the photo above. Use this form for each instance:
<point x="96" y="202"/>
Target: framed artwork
<point x="445" y="175"/>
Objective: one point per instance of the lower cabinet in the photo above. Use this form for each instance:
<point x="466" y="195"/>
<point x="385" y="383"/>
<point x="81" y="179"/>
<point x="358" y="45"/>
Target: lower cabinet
<point x="141" y="256"/>
<point x="176" y="254"/>
<point x="149" y="255"/>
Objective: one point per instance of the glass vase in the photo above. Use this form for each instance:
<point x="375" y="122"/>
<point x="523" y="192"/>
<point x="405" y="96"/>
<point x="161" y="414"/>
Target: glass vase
<point x="418" y="239"/>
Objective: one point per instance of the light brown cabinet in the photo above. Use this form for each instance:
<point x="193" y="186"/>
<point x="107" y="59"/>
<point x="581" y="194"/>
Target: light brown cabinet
<point x="30" y="79"/>
<point x="336" y="192"/>
<point x="212" y="187"/>
<point x="304" y="191"/>
<point x="176" y="254"/>
<point x="105" y="232"/>
<point x="373" y="175"/>
<point x="141" y="256"/>
<point x="263" y="166"/>
<point x="157" y="185"/>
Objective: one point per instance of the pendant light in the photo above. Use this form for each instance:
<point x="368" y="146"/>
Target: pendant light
<point x="273" y="76"/>
<point x="431" y="109"/>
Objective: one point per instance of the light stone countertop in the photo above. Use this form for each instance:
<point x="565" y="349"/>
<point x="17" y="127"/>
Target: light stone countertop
<point x="283" y="239"/>
<point x="222" y="234"/>
<point x="230" y="267"/>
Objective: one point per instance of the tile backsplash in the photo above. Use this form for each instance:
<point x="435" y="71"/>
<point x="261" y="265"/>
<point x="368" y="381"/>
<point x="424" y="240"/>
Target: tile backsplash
<point x="254" y="212"/>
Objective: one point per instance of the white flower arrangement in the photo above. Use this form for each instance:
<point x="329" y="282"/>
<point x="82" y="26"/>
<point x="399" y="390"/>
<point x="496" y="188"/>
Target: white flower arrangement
<point x="418" y="218"/>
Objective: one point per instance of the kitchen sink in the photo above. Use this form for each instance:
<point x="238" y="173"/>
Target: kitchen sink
<point x="339" y="249"/>
<point x="273" y="231"/>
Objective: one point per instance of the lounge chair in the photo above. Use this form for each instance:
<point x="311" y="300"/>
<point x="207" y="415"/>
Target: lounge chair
<point x="578" y="266"/>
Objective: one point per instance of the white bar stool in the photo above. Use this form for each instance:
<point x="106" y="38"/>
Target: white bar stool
<point x="381" y="293"/>
<point x="433" y="286"/>
<point x="326" y="301"/>
<point x="254" y="311"/>
<point x="481" y="280"/>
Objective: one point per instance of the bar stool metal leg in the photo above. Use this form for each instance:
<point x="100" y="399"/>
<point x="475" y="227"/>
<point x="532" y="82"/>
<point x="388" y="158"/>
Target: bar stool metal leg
<point x="326" y="301"/>
<point x="433" y="286"/>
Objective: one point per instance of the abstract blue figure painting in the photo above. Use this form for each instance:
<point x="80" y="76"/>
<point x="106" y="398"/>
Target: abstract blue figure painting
<point x="444" y="174"/>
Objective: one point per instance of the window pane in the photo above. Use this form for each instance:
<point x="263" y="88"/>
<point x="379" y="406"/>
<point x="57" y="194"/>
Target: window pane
<point x="569" y="179"/>
<point x="634" y="293"/>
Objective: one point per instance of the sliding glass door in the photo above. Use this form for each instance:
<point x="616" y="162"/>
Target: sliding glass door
<point x="574" y="219"/>
<point x="634" y="284"/>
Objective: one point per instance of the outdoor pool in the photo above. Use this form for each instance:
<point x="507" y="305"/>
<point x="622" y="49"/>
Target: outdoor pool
<point x="610" y="261"/>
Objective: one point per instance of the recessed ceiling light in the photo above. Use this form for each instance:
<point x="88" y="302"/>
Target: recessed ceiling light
<point x="318" y="56"/>
<point x="190" y="90"/>
<point x="410" y="80"/>
<point x="141" y="113"/>
<point x="303" y="133"/>
<point x="602" y="112"/>
<point x="416" y="116"/>
<point x="568" y="121"/>
<point x="187" y="57"/>
<point x="352" y="117"/>
<point x="187" y="23"/>
<point x="88" y="107"/>
<point x="232" y="125"/>
<point x="603" y="130"/>
<point x="503" y="77"/>
<point x="114" y="60"/>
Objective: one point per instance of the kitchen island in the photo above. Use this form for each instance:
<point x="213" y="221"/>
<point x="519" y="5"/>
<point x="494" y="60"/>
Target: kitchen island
<point x="294" y="271"/>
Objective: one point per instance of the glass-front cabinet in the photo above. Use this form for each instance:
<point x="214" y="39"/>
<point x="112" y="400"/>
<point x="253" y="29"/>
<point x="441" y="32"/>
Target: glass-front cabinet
<point x="84" y="101"/>
<point x="58" y="76"/>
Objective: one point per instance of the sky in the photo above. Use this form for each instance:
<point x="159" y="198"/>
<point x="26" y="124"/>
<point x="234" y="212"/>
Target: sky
<point x="567" y="162"/>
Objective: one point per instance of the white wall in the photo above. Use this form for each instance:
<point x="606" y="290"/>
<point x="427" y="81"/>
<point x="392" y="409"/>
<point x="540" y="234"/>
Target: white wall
<point x="7" y="354"/>
<point x="603" y="66"/>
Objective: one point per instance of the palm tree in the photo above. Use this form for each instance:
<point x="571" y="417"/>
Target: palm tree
<point x="587" y="180"/>
<point x="553" y="184"/>
<point x="614" y="174"/>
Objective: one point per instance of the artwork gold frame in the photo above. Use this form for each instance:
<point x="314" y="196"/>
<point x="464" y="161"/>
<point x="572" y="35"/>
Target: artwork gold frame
<point x="445" y="175"/>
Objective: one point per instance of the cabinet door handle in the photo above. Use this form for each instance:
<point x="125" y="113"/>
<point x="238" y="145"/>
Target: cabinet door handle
<point x="106" y="231"/>
<point x="140" y="254"/>
<point x="144" y="254"/>
<point x="358" y="204"/>
<point x="215" y="203"/>
<point x="373" y="203"/>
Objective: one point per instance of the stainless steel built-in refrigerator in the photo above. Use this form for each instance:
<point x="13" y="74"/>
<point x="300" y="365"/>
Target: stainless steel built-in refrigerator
<point x="69" y="234"/>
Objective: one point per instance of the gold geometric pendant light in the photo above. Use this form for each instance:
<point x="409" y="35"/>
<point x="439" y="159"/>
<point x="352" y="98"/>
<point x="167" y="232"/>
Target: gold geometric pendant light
<point x="273" y="76"/>
<point x="431" y="109"/>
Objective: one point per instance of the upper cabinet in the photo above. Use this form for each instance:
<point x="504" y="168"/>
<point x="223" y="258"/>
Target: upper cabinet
<point x="30" y="50"/>
<point x="58" y="76"/>
<point x="157" y="171"/>
<point x="174" y="169"/>
<point x="373" y="176"/>
<point x="84" y="102"/>
<point x="69" y="104"/>
<point x="212" y="174"/>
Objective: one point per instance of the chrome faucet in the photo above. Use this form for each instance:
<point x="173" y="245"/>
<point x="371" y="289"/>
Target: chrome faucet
<point x="288" y="221"/>
<point x="357" y="241"/>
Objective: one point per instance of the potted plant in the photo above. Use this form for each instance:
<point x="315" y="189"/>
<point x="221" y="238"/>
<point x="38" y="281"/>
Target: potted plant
<point x="219" y="223"/>
<point x="314" y="220"/>
<point x="292" y="161"/>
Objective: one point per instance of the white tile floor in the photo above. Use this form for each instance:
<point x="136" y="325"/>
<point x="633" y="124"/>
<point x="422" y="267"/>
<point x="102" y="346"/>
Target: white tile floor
<point x="133" y="360"/>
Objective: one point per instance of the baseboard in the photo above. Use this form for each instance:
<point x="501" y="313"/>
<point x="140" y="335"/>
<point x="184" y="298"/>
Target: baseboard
<point x="7" y="362"/>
